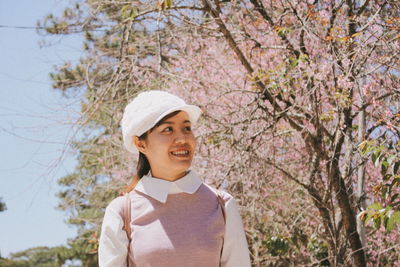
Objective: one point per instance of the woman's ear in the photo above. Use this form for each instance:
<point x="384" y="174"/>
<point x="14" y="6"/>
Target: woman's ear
<point x="140" y="144"/>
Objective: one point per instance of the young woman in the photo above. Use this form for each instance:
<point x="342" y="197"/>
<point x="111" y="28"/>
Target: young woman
<point x="175" y="218"/>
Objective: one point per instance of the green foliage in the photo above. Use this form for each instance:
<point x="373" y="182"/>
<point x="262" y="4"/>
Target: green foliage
<point x="319" y="249"/>
<point x="38" y="257"/>
<point x="12" y="263"/>
<point x="277" y="246"/>
<point x="165" y="4"/>
<point x="129" y="12"/>
<point x="387" y="160"/>
<point x="3" y="206"/>
<point x="282" y="31"/>
<point x="85" y="246"/>
<point x="392" y="220"/>
<point x="379" y="215"/>
<point x="67" y="77"/>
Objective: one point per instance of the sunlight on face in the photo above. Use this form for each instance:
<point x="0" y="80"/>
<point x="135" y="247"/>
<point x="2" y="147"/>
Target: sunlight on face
<point x="170" y="147"/>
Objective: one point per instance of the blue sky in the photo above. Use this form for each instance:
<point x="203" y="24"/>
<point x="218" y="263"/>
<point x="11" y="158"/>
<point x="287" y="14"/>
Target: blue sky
<point x="35" y="122"/>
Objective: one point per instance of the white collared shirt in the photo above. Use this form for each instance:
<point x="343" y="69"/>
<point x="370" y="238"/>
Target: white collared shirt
<point x="113" y="241"/>
<point x="160" y="188"/>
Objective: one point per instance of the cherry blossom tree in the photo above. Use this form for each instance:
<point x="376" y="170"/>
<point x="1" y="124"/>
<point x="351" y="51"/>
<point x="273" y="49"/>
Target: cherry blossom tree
<point x="297" y="96"/>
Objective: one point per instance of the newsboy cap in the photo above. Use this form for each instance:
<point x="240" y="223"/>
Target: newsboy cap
<point x="148" y="108"/>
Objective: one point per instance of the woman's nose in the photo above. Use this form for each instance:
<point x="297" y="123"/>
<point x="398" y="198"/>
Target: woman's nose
<point x="180" y="137"/>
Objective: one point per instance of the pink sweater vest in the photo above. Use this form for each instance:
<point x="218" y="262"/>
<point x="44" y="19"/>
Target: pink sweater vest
<point x="187" y="230"/>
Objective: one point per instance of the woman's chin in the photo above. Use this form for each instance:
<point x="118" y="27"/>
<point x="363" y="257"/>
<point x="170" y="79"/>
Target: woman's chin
<point x="182" y="167"/>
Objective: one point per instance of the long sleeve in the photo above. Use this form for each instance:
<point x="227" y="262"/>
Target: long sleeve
<point x="235" y="252"/>
<point x="113" y="244"/>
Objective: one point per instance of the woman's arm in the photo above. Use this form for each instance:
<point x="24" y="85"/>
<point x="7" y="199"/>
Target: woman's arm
<point x="235" y="252"/>
<point x="113" y="244"/>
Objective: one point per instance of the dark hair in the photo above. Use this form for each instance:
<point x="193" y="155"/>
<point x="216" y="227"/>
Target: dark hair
<point x="143" y="165"/>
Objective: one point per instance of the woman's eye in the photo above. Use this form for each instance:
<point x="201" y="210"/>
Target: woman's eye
<point x="188" y="128"/>
<point x="168" y="129"/>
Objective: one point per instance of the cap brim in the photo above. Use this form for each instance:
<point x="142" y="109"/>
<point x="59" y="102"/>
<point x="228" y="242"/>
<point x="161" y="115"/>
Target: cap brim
<point x="193" y="112"/>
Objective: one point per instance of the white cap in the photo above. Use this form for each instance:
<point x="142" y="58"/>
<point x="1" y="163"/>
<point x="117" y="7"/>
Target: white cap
<point x="148" y="108"/>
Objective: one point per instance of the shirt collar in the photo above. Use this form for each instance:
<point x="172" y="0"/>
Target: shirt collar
<point x="159" y="189"/>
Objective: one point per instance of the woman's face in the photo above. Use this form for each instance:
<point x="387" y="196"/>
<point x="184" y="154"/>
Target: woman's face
<point x="169" y="147"/>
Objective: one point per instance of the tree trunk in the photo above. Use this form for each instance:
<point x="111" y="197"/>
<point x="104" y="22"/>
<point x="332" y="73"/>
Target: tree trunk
<point x="348" y="215"/>
<point x="361" y="176"/>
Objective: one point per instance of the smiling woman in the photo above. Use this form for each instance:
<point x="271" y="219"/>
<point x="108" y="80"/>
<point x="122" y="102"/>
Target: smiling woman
<point x="169" y="217"/>
<point x="169" y="146"/>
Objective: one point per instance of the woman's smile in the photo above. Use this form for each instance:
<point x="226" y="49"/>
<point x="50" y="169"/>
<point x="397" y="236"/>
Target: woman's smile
<point x="181" y="153"/>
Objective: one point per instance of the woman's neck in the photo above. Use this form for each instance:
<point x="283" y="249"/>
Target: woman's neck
<point x="169" y="176"/>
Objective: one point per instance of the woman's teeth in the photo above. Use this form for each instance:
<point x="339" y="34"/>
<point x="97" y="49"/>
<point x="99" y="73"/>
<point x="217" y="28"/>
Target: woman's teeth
<point x="178" y="153"/>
